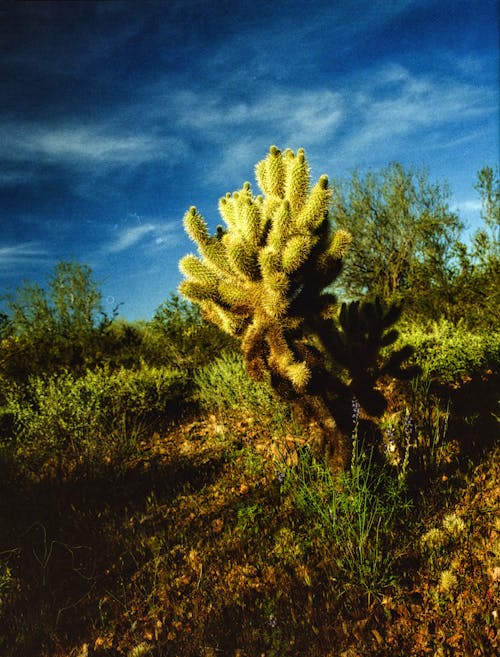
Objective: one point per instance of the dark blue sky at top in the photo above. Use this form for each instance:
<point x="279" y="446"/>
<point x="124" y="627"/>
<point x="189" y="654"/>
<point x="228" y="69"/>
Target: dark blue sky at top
<point x="115" y="117"/>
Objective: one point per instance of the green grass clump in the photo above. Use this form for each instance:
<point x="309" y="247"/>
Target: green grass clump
<point x="353" y="518"/>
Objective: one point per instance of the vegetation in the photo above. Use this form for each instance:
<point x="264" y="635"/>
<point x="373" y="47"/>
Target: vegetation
<point x="403" y="236"/>
<point x="88" y="421"/>
<point x="178" y="336"/>
<point x="54" y="327"/>
<point x="155" y="499"/>
<point x="407" y="245"/>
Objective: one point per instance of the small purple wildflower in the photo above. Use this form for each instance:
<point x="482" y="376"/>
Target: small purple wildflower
<point x="356" y="410"/>
<point x="273" y="621"/>
<point x="280" y="476"/>
<point x="391" y="440"/>
<point x="408" y="425"/>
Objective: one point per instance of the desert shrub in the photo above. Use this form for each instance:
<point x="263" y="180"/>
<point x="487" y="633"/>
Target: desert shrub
<point x="178" y="336"/>
<point x="267" y="278"/>
<point x="450" y="352"/>
<point x="226" y="385"/>
<point x="64" y="421"/>
<point x="150" y="392"/>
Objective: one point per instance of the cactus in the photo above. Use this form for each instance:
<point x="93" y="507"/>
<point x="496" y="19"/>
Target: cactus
<point x="267" y="277"/>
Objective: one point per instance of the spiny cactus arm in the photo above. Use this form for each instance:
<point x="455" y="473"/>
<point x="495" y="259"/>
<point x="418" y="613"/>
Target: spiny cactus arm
<point x="229" y="252"/>
<point x="391" y="315"/>
<point x="196" y="226"/>
<point x="270" y="174"/>
<point x="284" y="175"/>
<point x="308" y="297"/>
<point x="211" y="248"/>
<point x="315" y="209"/>
<point x="254" y="348"/>
<point x="269" y="261"/>
<point x="193" y="268"/>
<point x="378" y="321"/>
<point x="261" y="175"/>
<point x="252" y="222"/>
<point x="331" y="259"/>
<point x="282" y="359"/>
<point x="227" y="321"/>
<point x="389" y="338"/>
<point x="275" y="173"/>
<point x="235" y="296"/>
<point x="270" y="206"/>
<point x="198" y="292"/>
<point x="362" y="329"/>
<point x="227" y="210"/>
<point x="282" y="225"/>
<point x="394" y="365"/>
<point x="243" y="260"/>
<point x="220" y="282"/>
<point x="275" y="299"/>
<point x="243" y="214"/>
<point x="215" y="256"/>
<point x="297" y="178"/>
<point x="296" y="252"/>
<point x="318" y="272"/>
<point x="266" y="349"/>
<point x="356" y="344"/>
<point x="203" y="286"/>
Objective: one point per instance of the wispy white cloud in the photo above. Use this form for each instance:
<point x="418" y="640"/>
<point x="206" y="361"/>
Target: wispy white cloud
<point x="90" y="145"/>
<point x="129" y="237"/>
<point x="238" y="132"/>
<point x="98" y="144"/>
<point x="396" y="109"/>
<point x="20" y="254"/>
<point x="469" y="205"/>
<point x="298" y="42"/>
<point x="382" y="109"/>
<point x="391" y="110"/>
<point x="287" y="112"/>
<point x="148" y="235"/>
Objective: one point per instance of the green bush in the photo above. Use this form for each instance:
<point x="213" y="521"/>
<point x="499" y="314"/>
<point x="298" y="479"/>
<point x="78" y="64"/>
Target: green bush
<point x="450" y="353"/>
<point x="150" y="392"/>
<point x="226" y="385"/>
<point x="65" y="421"/>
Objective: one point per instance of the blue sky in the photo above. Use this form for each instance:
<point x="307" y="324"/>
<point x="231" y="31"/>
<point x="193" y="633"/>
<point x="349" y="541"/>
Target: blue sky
<point x="117" y="116"/>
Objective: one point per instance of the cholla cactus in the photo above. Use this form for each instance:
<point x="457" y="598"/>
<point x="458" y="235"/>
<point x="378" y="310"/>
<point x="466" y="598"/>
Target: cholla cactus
<point x="266" y="278"/>
<point x="256" y="277"/>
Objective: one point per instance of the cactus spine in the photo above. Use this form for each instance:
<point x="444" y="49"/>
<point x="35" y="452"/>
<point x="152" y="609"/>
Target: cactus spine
<point x="266" y="277"/>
